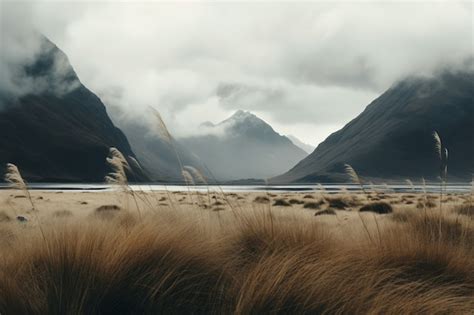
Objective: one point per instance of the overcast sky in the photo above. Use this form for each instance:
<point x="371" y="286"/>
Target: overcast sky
<point x="305" y="68"/>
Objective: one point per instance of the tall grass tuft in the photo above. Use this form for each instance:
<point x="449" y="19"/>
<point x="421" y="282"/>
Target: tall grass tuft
<point x="119" y="165"/>
<point x="16" y="181"/>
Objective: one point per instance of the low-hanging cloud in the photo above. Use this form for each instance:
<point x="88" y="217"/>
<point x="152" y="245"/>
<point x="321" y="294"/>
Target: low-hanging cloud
<point x="297" y="64"/>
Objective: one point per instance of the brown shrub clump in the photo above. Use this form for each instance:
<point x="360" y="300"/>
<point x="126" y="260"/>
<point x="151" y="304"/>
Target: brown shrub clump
<point x="326" y="212"/>
<point x="261" y="199"/>
<point x="466" y="209"/>
<point x="377" y="207"/>
<point x="281" y="203"/>
<point x="313" y="205"/>
<point x="296" y="201"/>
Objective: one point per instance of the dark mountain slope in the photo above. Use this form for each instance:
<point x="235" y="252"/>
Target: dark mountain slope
<point x="244" y="146"/>
<point x="392" y="138"/>
<point x="62" y="132"/>
<point x="156" y="154"/>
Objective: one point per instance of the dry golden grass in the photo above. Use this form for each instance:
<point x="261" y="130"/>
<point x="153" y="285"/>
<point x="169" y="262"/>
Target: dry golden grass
<point x="247" y="258"/>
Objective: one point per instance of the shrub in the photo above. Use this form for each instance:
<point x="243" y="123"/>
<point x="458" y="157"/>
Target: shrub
<point x="313" y="205"/>
<point x="377" y="207"/>
<point x="326" y="212"/>
<point x="281" y="203"/>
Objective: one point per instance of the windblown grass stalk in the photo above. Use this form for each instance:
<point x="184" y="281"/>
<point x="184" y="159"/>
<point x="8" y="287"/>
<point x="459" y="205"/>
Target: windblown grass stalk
<point x="118" y="176"/>
<point x="443" y="168"/>
<point x="199" y="177"/>
<point x="189" y="181"/>
<point x="16" y="181"/>
<point x="356" y="179"/>
<point x="410" y="184"/>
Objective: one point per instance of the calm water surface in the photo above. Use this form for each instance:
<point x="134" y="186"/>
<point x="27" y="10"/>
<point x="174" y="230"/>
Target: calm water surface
<point x="394" y="188"/>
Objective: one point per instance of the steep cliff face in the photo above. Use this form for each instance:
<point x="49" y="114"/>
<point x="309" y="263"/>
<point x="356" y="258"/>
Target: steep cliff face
<point x="61" y="131"/>
<point x="392" y="138"/>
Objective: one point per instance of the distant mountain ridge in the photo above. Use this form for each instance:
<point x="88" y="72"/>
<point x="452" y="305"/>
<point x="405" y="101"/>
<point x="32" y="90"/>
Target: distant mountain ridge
<point x="59" y="136"/>
<point x="157" y="155"/>
<point x="243" y="146"/>
<point x="306" y="147"/>
<point x="393" y="137"/>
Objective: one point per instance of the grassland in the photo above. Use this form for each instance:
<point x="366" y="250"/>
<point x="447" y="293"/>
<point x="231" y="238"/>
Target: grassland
<point x="246" y="253"/>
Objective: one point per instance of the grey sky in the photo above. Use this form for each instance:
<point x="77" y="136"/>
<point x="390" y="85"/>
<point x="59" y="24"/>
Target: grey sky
<point x="306" y="68"/>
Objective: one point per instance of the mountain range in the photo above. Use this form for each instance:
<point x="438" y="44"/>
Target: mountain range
<point x="243" y="146"/>
<point x="300" y="144"/>
<point x="62" y="132"/>
<point x="393" y="137"/>
<point x="56" y="135"/>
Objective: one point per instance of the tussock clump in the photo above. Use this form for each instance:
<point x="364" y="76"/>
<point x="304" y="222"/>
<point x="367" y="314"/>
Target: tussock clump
<point x="296" y="201"/>
<point x="465" y="209"/>
<point x="338" y="203"/>
<point x="313" y="205"/>
<point x="377" y="207"/>
<point x="108" y="208"/>
<point x="107" y="211"/>
<point x="408" y="279"/>
<point x="440" y="229"/>
<point x="326" y="212"/>
<point x="402" y="216"/>
<point x="259" y="237"/>
<point x="308" y="197"/>
<point x="261" y="199"/>
<point x="425" y="204"/>
<point x="101" y="270"/>
<point x="261" y="261"/>
<point x="281" y="203"/>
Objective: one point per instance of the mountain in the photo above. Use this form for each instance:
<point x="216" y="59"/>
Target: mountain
<point x="300" y="144"/>
<point x="60" y="131"/>
<point x="157" y="154"/>
<point x="243" y="146"/>
<point x="393" y="137"/>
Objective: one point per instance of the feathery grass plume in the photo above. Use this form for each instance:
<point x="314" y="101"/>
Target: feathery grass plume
<point x="410" y="183"/>
<point x="13" y="177"/>
<point x="118" y="164"/>
<point x="16" y="181"/>
<point x="354" y="176"/>
<point x="188" y="178"/>
<point x="135" y="163"/>
<point x="322" y="191"/>
<point x="197" y="175"/>
<point x="356" y="179"/>
<point x="445" y="169"/>
<point x="166" y="135"/>
<point x="438" y="144"/>
<point x="118" y="176"/>
<point x="161" y="127"/>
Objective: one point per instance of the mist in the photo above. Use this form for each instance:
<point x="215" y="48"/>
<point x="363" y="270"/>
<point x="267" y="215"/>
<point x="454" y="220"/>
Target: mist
<point x="306" y="68"/>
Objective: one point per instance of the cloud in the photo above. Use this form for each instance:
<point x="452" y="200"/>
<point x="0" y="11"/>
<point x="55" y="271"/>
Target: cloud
<point x="296" y="64"/>
<point x="24" y="56"/>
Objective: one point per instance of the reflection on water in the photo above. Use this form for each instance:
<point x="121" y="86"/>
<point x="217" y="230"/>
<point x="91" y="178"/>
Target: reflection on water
<point x="394" y="188"/>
